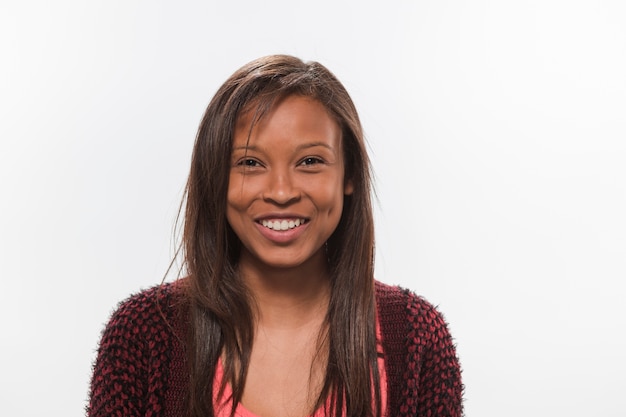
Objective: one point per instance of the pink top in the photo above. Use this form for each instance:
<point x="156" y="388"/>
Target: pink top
<point x="223" y="409"/>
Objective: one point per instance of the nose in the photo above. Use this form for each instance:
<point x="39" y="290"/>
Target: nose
<point x="280" y="188"/>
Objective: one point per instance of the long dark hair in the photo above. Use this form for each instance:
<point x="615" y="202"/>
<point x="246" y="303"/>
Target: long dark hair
<point x="221" y="317"/>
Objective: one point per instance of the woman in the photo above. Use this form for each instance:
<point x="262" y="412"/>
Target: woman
<point x="279" y="314"/>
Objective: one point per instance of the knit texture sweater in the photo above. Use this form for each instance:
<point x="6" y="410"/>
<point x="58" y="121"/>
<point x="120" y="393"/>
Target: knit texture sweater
<point x="141" y="365"/>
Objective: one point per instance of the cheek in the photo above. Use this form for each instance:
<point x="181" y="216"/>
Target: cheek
<point x="235" y="208"/>
<point x="233" y="199"/>
<point x="237" y="195"/>
<point x="332" y="198"/>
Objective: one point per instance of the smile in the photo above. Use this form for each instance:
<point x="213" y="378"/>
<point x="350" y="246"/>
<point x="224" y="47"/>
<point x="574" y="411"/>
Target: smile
<point x="283" y="224"/>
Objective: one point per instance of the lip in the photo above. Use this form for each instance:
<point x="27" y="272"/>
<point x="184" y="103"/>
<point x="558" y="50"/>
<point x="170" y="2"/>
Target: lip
<point x="282" y="237"/>
<point x="278" y="216"/>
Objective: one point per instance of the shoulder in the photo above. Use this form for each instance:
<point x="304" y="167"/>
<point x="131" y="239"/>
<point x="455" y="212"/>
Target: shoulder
<point x="167" y="295"/>
<point x="146" y="312"/>
<point x="137" y="348"/>
<point x="420" y="358"/>
<point x="392" y="299"/>
<point x="148" y="298"/>
<point x="406" y="315"/>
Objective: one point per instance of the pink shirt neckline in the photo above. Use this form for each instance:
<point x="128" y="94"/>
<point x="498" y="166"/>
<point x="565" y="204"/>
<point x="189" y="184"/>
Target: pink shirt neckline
<point x="222" y="407"/>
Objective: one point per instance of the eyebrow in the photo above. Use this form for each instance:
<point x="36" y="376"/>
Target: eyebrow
<point x="298" y="148"/>
<point x="245" y="147"/>
<point x="313" y="145"/>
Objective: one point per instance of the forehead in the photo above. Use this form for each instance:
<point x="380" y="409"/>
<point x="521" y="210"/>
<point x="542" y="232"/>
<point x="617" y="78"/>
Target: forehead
<point x="297" y="117"/>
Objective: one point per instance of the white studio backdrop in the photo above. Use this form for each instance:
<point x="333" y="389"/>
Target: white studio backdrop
<point x="497" y="132"/>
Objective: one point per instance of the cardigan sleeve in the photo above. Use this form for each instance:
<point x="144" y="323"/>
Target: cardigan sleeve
<point x="439" y="386"/>
<point x="119" y="380"/>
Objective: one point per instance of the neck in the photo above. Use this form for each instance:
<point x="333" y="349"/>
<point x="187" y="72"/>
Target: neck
<point x="288" y="297"/>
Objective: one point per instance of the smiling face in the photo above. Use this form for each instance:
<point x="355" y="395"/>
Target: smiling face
<point x="286" y="186"/>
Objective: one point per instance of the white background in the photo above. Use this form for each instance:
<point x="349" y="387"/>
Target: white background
<point x="497" y="131"/>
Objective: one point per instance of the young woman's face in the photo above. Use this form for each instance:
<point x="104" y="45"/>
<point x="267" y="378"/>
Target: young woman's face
<point x="286" y="187"/>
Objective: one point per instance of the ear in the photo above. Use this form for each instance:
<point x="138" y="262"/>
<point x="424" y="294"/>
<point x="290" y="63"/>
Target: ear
<point x="348" y="188"/>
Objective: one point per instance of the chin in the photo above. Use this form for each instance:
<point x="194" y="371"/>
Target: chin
<point x="284" y="262"/>
<point x="289" y="259"/>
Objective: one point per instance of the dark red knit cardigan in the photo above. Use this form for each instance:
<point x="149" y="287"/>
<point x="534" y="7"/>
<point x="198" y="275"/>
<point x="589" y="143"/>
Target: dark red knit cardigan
<point x="141" y="367"/>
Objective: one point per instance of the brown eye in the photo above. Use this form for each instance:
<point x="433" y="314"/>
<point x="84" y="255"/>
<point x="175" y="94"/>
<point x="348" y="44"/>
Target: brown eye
<point x="311" y="161"/>
<point x="248" y="162"/>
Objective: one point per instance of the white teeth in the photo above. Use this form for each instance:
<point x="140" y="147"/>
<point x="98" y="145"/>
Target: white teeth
<point x="282" y="224"/>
